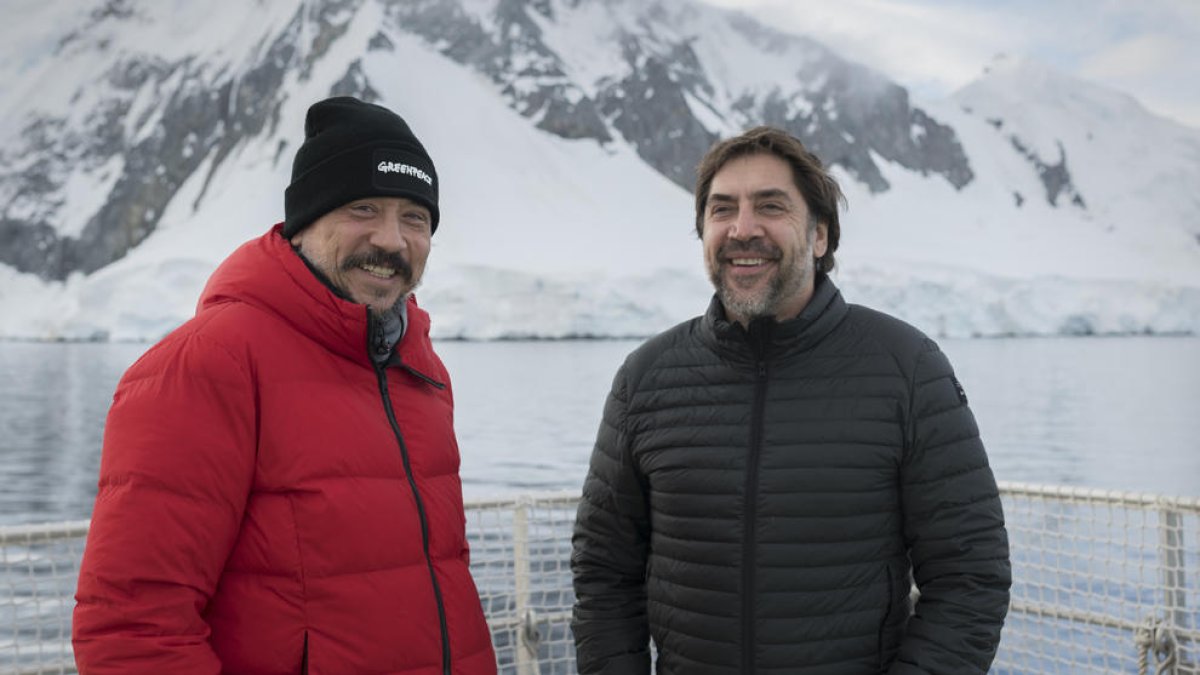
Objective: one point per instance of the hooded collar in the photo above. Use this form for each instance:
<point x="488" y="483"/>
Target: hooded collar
<point x="767" y="338"/>
<point x="268" y="274"/>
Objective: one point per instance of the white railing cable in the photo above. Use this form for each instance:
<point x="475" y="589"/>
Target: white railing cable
<point x="1101" y="584"/>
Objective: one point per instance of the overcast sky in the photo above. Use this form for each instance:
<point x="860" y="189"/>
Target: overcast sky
<point x="1147" y="48"/>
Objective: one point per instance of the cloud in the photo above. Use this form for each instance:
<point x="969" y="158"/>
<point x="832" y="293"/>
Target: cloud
<point x="1150" y="49"/>
<point x="1162" y="69"/>
<point x="931" y="48"/>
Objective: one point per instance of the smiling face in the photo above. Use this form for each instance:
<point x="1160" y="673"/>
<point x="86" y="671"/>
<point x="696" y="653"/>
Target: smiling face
<point x="373" y="250"/>
<point x="758" y="246"/>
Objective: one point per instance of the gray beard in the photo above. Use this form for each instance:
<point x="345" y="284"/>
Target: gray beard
<point x="740" y="307"/>
<point x="399" y="309"/>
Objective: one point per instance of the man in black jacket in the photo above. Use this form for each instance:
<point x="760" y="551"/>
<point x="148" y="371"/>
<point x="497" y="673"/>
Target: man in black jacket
<point x="771" y="478"/>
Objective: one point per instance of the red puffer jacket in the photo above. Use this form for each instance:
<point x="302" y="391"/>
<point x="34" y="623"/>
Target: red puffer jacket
<point x="270" y="502"/>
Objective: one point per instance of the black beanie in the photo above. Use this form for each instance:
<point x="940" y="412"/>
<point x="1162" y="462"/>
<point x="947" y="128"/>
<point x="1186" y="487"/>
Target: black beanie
<point x="353" y="150"/>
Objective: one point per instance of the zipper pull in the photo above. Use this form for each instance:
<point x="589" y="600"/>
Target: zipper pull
<point x="381" y="345"/>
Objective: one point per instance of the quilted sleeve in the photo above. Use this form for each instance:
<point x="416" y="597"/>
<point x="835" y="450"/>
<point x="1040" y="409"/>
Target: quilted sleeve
<point x="608" y="559"/>
<point x="954" y="528"/>
<point x="176" y="469"/>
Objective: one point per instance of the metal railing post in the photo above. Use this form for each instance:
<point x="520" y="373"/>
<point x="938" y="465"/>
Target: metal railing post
<point x="526" y="647"/>
<point x="1171" y="559"/>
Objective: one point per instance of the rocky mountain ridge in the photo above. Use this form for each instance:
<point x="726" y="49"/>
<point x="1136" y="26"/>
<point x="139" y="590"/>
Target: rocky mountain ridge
<point x="155" y="121"/>
<point x="141" y="142"/>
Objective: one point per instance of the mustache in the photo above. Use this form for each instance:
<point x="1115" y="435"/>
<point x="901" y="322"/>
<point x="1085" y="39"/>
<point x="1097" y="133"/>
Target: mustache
<point x="754" y="248"/>
<point x="379" y="258"/>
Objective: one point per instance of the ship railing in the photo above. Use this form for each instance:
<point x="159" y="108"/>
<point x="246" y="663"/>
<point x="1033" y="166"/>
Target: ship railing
<point x="1103" y="582"/>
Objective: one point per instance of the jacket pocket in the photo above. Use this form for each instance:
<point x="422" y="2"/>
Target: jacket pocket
<point x="896" y="610"/>
<point x="304" y="656"/>
<point x="890" y="589"/>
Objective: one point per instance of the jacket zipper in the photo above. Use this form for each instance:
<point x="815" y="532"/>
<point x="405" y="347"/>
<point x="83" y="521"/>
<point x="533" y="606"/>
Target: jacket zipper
<point x="887" y="613"/>
<point x="749" y="542"/>
<point x="381" y="378"/>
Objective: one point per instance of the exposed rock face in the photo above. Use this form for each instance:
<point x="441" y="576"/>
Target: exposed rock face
<point x="513" y="55"/>
<point x="847" y="112"/>
<point x="162" y="121"/>
<point x="852" y="113"/>
<point x="844" y="128"/>
<point x="198" y="117"/>
<point x="1055" y="177"/>
<point x="650" y="110"/>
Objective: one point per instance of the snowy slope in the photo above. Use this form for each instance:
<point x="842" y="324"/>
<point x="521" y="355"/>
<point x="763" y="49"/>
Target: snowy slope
<point x="550" y="236"/>
<point x="1137" y="172"/>
<point x="545" y="211"/>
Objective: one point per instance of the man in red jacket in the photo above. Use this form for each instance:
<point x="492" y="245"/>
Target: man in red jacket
<point x="279" y="488"/>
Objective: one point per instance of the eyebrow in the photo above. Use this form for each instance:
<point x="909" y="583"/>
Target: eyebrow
<point x="766" y="193"/>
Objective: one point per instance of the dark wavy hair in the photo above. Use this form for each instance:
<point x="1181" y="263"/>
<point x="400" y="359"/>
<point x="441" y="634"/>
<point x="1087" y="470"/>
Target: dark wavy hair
<point x="820" y="191"/>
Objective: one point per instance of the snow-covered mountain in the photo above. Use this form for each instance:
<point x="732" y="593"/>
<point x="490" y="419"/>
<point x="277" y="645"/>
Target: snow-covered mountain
<point x="140" y="142"/>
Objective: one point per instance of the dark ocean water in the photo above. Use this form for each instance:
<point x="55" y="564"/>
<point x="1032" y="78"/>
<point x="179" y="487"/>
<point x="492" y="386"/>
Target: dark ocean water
<point x="1112" y="413"/>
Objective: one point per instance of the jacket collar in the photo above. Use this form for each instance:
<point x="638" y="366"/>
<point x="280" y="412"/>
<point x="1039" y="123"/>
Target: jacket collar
<point x="768" y="338"/>
<point x="268" y="274"/>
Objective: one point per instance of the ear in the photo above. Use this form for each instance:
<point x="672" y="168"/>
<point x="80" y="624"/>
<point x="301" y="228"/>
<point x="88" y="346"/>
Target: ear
<point x="820" y="240"/>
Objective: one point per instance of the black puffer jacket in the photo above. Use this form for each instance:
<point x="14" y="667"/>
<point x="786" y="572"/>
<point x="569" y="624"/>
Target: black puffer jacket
<point x="755" y="499"/>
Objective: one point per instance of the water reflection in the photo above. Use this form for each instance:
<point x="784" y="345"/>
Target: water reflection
<point x="1113" y="413"/>
<point x="53" y="399"/>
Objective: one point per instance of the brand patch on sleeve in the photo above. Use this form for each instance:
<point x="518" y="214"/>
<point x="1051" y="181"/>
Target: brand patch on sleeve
<point x="962" y="393"/>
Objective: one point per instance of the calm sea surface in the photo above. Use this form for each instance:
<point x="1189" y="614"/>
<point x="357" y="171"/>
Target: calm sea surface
<point x="1112" y="413"/>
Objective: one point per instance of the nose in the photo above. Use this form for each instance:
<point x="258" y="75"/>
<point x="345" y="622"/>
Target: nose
<point x="746" y="225"/>
<point x="387" y="233"/>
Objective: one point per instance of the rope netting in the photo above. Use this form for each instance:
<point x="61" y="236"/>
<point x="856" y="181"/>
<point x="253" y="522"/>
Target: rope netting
<point x="1102" y="583"/>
